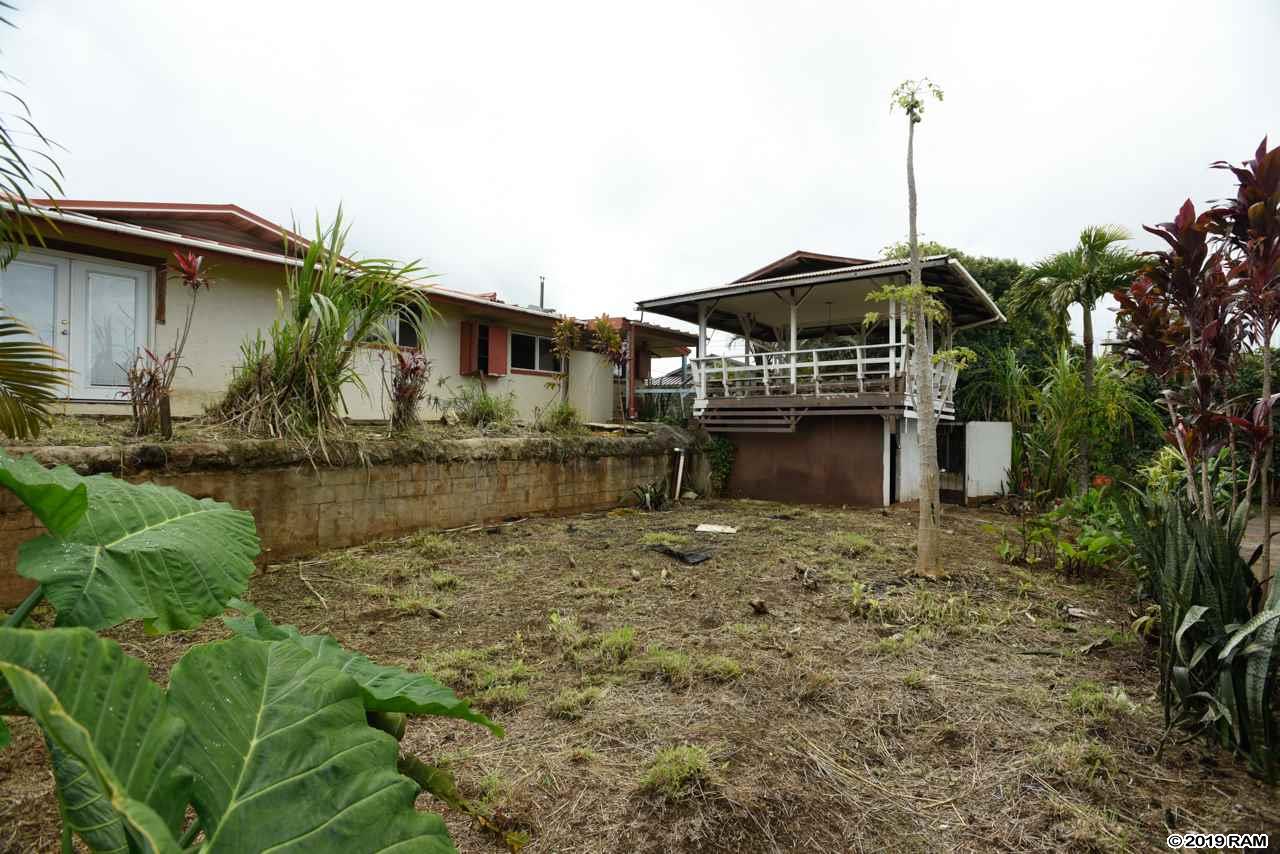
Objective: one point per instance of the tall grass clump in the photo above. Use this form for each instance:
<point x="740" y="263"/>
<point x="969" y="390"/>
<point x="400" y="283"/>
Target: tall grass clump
<point x="290" y="383"/>
<point x="474" y="406"/>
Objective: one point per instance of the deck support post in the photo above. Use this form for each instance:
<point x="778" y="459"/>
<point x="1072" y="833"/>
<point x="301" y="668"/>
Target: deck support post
<point x="795" y="343"/>
<point x="893" y="340"/>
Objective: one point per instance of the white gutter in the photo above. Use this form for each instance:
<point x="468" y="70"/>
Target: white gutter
<point x="979" y="293"/>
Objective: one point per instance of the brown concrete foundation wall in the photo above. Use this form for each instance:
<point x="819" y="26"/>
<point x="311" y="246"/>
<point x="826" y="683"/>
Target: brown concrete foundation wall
<point x="300" y="509"/>
<point x="834" y="459"/>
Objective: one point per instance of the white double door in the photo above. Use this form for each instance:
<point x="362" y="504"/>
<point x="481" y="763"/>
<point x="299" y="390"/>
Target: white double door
<point x="97" y="313"/>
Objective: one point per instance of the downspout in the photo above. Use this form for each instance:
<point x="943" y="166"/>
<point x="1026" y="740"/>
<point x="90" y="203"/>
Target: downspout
<point x="631" y="371"/>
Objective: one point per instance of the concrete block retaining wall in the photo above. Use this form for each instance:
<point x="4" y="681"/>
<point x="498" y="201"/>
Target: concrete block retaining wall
<point x="400" y="488"/>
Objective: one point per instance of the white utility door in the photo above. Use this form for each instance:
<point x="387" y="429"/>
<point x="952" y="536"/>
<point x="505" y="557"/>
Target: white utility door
<point x="96" y="313"/>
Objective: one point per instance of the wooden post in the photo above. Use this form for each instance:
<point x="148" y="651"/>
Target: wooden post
<point x="893" y="339"/>
<point x="703" y="311"/>
<point x="795" y="344"/>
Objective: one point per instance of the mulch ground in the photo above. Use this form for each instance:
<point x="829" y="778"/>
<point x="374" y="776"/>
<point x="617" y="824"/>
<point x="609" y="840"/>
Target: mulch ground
<point x="851" y="709"/>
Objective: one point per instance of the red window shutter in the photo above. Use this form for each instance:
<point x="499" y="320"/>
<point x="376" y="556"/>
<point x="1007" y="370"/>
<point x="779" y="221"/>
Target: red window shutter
<point x="467" y="362"/>
<point x="497" y="351"/>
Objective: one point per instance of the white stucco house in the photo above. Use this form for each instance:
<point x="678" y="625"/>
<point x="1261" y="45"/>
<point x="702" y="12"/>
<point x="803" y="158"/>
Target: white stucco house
<point x="100" y="287"/>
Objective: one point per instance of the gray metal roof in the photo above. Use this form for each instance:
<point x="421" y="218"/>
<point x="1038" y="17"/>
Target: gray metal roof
<point x="970" y="304"/>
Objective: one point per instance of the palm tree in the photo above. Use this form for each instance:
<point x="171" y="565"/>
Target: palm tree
<point x="30" y="375"/>
<point x="1095" y="266"/>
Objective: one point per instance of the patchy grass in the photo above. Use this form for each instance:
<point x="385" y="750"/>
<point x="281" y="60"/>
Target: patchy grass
<point x="676" y="772"/>
<point x="719" y="668"/>
<point x="572" y="703"/>
<point x="444" y="580"/>
<point x="671" y="665"/>
<point x="664" y="538"/>
<point x="865" y="711"/>
<point x="1097" y="704"/>
<point x="855" y="545"/>
<point x="616" y="646"/>
<point x="432" y="546"/>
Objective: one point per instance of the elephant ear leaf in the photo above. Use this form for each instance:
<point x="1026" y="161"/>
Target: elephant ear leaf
<point x="103" y="796"/>
<point x="143" y="552"/>
<point x="57" y="497"/>
<point x="284" y="760"/>
<point x="385" y="688"/>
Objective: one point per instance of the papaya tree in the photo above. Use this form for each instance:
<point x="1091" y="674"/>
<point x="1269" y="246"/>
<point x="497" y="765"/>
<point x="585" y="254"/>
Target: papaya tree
<point x="916" y="298"/>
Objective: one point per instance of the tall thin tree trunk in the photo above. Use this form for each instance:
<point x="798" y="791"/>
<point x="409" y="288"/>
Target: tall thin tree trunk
<point x="929" y="561"/>
<point x="1085" y="466"/>
<point x="1265" y="570"/>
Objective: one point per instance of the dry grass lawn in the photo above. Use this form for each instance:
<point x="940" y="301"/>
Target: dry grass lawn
<point x="650" y="707"/>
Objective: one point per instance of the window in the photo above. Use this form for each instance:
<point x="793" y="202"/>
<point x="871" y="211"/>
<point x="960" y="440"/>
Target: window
<point x="483" y="350"/>
<point x="404" y="327"/>
<point x="533" y="353"/>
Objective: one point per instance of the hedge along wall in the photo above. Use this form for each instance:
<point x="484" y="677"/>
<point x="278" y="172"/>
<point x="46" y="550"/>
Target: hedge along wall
<point x="399" y="488"/>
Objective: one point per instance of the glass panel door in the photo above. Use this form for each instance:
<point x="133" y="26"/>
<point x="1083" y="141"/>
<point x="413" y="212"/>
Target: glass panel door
<point x="29" y="292"/>
<point x="109" y="323"/>
<point x="112" y="320"/>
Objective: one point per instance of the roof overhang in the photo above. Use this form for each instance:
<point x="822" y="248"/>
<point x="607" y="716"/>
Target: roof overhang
<point x="828" y="300"/>
<point x="108" y="217"/>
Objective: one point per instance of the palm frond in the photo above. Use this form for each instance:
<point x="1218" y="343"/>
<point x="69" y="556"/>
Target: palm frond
<point x="30" y="377"/>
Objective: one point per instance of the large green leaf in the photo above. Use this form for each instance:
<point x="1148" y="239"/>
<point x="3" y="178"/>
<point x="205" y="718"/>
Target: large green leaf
<point x="134" y="825"/>
<point x="57" y="497"/>
<point x="125" y="716"/>
<point x="385" y="688"/>
<point x="143" y="552"/>
<point x="284" y="759"/>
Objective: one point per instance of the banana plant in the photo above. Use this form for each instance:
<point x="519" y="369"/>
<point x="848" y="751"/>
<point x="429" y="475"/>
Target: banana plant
<point x="276" y="739"/>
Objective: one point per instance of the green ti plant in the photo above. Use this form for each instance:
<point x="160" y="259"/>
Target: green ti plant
<point x="276" y="740"/>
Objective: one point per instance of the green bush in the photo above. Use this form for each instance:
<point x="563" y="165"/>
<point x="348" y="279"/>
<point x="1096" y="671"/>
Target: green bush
<point x="474" y="406"/>
<point x="561" y="418"/>
<point x="291" y="382"/>
<point x="720" y="454"/>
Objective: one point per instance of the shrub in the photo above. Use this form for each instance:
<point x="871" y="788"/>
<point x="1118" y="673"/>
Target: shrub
<point x="410" y="372"/>
<point x="652" y="496"/>
<point x="474" y="406"/>
<point x="561" y="418"/>
<point x="720" y="454"/>
<point x="150" y="377"/>
<point x="332" y="305"/>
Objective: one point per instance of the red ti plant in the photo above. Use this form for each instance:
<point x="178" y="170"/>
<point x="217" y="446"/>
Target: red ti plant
<point x="1248" y="227"/>
<point x="410" y="371"/>
<point x="150" y="376"/>
<point x="1183" y="320"/>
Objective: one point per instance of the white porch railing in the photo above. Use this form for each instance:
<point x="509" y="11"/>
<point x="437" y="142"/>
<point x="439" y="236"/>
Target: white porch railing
<point x="866" y="369"/>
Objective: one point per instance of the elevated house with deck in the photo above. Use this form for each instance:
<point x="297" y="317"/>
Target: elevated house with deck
<point x="822" y="404"/>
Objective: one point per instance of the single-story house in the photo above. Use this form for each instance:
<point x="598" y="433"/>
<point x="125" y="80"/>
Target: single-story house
<point x="101" y="286"/>
<point x="822" y="406"/>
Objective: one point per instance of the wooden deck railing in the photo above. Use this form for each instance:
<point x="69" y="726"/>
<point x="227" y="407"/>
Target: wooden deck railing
<point x="866" y="369"/>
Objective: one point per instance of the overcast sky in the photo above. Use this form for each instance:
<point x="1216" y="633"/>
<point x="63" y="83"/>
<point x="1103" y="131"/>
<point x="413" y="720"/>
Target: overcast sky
<point x="627" y="151"/>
